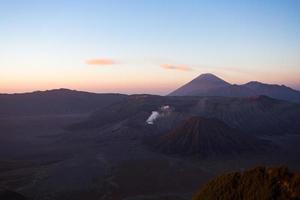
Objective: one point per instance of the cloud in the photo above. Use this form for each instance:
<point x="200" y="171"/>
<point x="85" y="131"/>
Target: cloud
<point x="100" y="61"/>
<point x="176" y="67"/>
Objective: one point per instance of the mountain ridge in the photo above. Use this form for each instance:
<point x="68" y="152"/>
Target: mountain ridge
<point x="210" y="85"/>
<point x="57" y="101"/>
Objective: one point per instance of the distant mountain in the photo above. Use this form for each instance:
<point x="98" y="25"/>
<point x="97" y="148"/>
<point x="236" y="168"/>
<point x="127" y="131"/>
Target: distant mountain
<point x="265" y="183"/>
<point x="211" y="85"/>
<point x="59" y="101"/>
<point x="276" y="91"/>
<point x="207" y="137"/>
<point x="200" y="86"/>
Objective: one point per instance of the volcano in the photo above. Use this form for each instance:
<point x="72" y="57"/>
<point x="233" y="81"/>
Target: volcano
<point x="208" y="137"/>
<point x="200" y="86"/>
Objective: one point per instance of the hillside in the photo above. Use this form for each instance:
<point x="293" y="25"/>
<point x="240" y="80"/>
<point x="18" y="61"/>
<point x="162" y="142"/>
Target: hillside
<point x="264" y="183"/>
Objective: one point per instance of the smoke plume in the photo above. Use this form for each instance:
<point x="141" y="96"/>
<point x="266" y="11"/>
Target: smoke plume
<point x="163" y="111"/>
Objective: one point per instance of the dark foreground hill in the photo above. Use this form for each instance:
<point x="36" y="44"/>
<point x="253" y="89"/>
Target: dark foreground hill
<point x="264" y="183"/>
<point x="206" y="137"/>
<point x="211" y="85"/>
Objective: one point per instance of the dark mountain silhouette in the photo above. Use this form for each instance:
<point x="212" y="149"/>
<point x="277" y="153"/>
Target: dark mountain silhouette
<point x="264" y="183"/>
<point x="211" y="85"/>
<point x="59" y="101"/>
<point x="275" y="91"/>
<point x="208" y="137"/>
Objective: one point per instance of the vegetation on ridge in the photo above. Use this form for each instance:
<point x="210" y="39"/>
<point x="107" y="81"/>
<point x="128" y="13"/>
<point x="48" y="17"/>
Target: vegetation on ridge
<point x="264" y="183"/>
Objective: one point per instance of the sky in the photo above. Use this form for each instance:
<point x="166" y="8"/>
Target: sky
<point x="146" y="46"/>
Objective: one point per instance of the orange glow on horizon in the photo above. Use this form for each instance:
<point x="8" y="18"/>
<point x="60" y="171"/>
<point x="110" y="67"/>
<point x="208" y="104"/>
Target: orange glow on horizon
<point x="150" y="79"/>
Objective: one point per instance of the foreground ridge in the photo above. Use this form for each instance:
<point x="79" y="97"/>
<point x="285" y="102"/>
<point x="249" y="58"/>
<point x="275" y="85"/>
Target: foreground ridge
<point x="263" y="183"/>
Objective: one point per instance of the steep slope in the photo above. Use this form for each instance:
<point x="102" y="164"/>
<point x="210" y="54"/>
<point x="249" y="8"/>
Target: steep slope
<point x="264" y="183"/>
<point x="200" y="86"/>
<point x="60" y="101"/>
<point x="208" y="137"/>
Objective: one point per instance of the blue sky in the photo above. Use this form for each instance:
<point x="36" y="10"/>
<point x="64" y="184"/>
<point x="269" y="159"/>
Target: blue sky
<point x="47" y="44"/>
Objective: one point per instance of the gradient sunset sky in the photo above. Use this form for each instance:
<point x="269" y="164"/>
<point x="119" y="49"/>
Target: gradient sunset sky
<point x="146" y="46"/>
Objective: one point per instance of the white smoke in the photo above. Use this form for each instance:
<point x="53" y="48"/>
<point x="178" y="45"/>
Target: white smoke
<point x="163" y="111"/>
<point x="165" y="108"/>
<point x="153" y="117"/>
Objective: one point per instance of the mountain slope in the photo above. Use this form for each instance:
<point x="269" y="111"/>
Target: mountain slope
<point x="264" y="183"/>
<point x="211" y="85"/>
<point x="200" y="85"/>
<point x="208" y="137"/>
